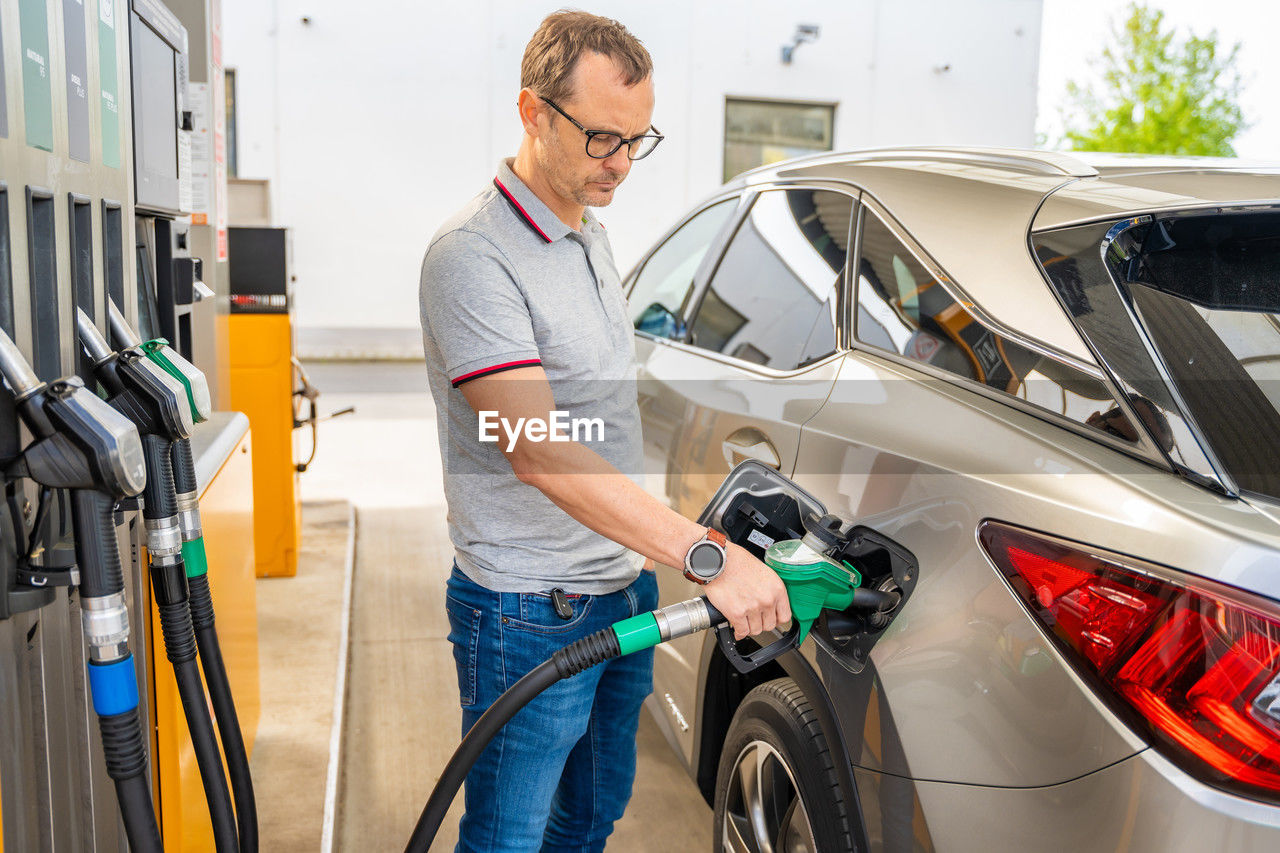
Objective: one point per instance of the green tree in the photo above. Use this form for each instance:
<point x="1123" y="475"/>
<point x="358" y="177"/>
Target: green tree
<point x="1158" y="95"/>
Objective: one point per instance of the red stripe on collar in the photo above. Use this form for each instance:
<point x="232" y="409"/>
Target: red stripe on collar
<point x="527" y="218"/>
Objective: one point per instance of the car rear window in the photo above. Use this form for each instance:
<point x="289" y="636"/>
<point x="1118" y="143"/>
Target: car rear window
<point x="1189" y="302"/>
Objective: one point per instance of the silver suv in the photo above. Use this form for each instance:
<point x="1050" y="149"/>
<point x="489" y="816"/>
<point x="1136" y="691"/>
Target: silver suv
<point x="1054" y="381"/>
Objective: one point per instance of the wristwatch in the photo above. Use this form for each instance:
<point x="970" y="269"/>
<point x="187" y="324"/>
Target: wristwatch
<point x="706" y="558"/>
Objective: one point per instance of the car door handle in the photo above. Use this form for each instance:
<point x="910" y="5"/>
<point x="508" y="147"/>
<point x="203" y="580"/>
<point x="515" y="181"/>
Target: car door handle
<point x="750" y="443"/>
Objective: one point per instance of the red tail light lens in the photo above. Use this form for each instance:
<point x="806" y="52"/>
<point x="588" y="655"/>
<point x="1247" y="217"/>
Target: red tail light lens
<point x="1195" y="665"/>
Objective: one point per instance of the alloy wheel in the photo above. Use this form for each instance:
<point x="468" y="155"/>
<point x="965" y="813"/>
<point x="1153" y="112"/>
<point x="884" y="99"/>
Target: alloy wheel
<point x="764" y="811"/>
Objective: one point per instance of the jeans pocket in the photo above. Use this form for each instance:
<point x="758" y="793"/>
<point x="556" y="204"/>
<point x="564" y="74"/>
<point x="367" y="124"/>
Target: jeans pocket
<point x="538" y="613"/>
<point x="464" y="636"/>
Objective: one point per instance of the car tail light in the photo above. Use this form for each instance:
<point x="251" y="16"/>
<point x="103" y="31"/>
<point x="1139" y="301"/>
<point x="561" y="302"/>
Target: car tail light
<point x="1193" y="664"/>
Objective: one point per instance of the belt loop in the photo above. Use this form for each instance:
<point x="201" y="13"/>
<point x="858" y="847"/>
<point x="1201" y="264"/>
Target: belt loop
<point x="632" y="601"/>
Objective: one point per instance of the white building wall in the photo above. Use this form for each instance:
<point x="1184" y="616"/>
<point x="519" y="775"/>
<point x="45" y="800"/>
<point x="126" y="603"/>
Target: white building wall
<point x="374" y="121"/>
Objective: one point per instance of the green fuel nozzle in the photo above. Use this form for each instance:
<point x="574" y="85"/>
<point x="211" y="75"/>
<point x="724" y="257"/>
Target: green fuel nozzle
<point x="163" y="356"/>
<point x="814" y="581"/>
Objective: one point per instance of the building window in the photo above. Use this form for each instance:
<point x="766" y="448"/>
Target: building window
<point x="757" y="132"/>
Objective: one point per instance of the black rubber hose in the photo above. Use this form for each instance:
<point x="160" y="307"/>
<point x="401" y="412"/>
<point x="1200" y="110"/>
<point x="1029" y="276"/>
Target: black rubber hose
<point x="126" y="752"/>
<point x="567" y="662"/>
<point x="138" y="811"/>
<point x="158" y="497"/>
<point x="207" y="757"/>
<point x="169" y="585"/>
<point x="491" y="721"/>
<point x="98" y="555"/>
<point x="184" y="467"/>
<point x="224" y="709"/>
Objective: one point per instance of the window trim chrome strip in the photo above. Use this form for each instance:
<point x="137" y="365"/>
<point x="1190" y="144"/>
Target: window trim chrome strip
<point x="1141" y="450"/>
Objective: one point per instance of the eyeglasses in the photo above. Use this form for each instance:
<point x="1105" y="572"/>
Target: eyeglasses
<point x="602" y="144"/>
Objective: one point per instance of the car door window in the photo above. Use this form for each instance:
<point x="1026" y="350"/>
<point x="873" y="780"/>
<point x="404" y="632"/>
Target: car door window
<point x="903" y="308"/>
<point x="657" y="298"/>
<point x="773" y="299"/>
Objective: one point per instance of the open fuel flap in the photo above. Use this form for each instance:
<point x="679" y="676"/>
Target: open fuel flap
<point x="757" y="507"/>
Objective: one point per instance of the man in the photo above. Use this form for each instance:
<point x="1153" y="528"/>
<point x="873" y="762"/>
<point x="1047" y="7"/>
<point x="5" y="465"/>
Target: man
<point x="523" y="314"/>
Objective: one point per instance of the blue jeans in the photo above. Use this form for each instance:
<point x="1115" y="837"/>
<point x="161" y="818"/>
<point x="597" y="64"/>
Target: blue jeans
<point x="559" y="774"/>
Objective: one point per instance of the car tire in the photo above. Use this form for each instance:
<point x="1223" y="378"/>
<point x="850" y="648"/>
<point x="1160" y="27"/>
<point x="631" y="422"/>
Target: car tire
<point x="777" y="779"/>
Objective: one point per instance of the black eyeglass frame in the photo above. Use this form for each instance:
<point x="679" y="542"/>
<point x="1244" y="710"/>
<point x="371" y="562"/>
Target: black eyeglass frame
<point x="592" y="134"/>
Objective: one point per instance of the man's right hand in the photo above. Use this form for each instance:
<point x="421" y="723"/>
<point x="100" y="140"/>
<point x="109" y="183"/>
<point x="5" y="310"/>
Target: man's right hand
<point x="749" y="594"/>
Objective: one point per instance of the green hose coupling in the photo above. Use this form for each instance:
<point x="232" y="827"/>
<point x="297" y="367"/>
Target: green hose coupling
<point x="635" y="634"/>
<point x="194" y="556"/>
<point x="658" y="626"/>
<point x="638" y="632"/>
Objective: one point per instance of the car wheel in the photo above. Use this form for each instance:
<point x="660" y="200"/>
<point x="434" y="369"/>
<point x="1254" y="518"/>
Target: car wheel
<point x="776" y="787"/>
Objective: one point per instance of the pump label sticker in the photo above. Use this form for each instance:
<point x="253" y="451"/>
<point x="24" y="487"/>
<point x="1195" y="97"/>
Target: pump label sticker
<point x="37" y="91"/>
<point x="108" y="88"/>
<point x="755" y="537"/>
<point x="75" y="52"/>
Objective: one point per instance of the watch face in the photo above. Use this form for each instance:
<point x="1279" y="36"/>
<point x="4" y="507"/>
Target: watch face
<point x="705" y="559"/>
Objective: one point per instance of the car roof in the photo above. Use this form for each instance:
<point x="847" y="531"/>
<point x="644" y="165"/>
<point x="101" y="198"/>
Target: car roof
<point x="972" y="209"/>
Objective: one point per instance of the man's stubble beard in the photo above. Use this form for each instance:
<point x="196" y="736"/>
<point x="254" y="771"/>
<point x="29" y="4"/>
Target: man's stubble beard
<point x="565" y="182"/>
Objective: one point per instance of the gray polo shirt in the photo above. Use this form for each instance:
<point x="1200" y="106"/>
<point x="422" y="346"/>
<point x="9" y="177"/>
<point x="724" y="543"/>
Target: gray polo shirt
<point x="506" y="284"/>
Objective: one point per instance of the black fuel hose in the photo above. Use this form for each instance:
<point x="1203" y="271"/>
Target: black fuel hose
<point x="169" y="588"/>
<point x="580" y="655"/>
<point x="126" y="754"/>
<point x="113" y="683"/>
<point x="464" y="757"/>
<point x="215" y="672"/>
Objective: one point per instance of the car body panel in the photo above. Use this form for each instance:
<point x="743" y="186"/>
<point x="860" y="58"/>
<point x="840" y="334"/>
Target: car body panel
<point x="976" y="692"/>
<point x="1140" y="805"/>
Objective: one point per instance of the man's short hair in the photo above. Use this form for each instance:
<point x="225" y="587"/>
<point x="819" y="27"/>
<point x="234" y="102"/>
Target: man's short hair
<point x="562" y="38"/>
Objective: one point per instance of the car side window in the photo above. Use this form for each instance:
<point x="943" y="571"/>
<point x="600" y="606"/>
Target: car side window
<point x="902" y="308"/>
<point x="657" y="298"/>
<point x="773" y="299"/>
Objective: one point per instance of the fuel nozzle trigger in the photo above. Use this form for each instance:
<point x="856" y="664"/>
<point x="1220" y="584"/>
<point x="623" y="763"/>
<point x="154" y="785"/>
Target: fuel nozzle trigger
<point x="745" y="663"/>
